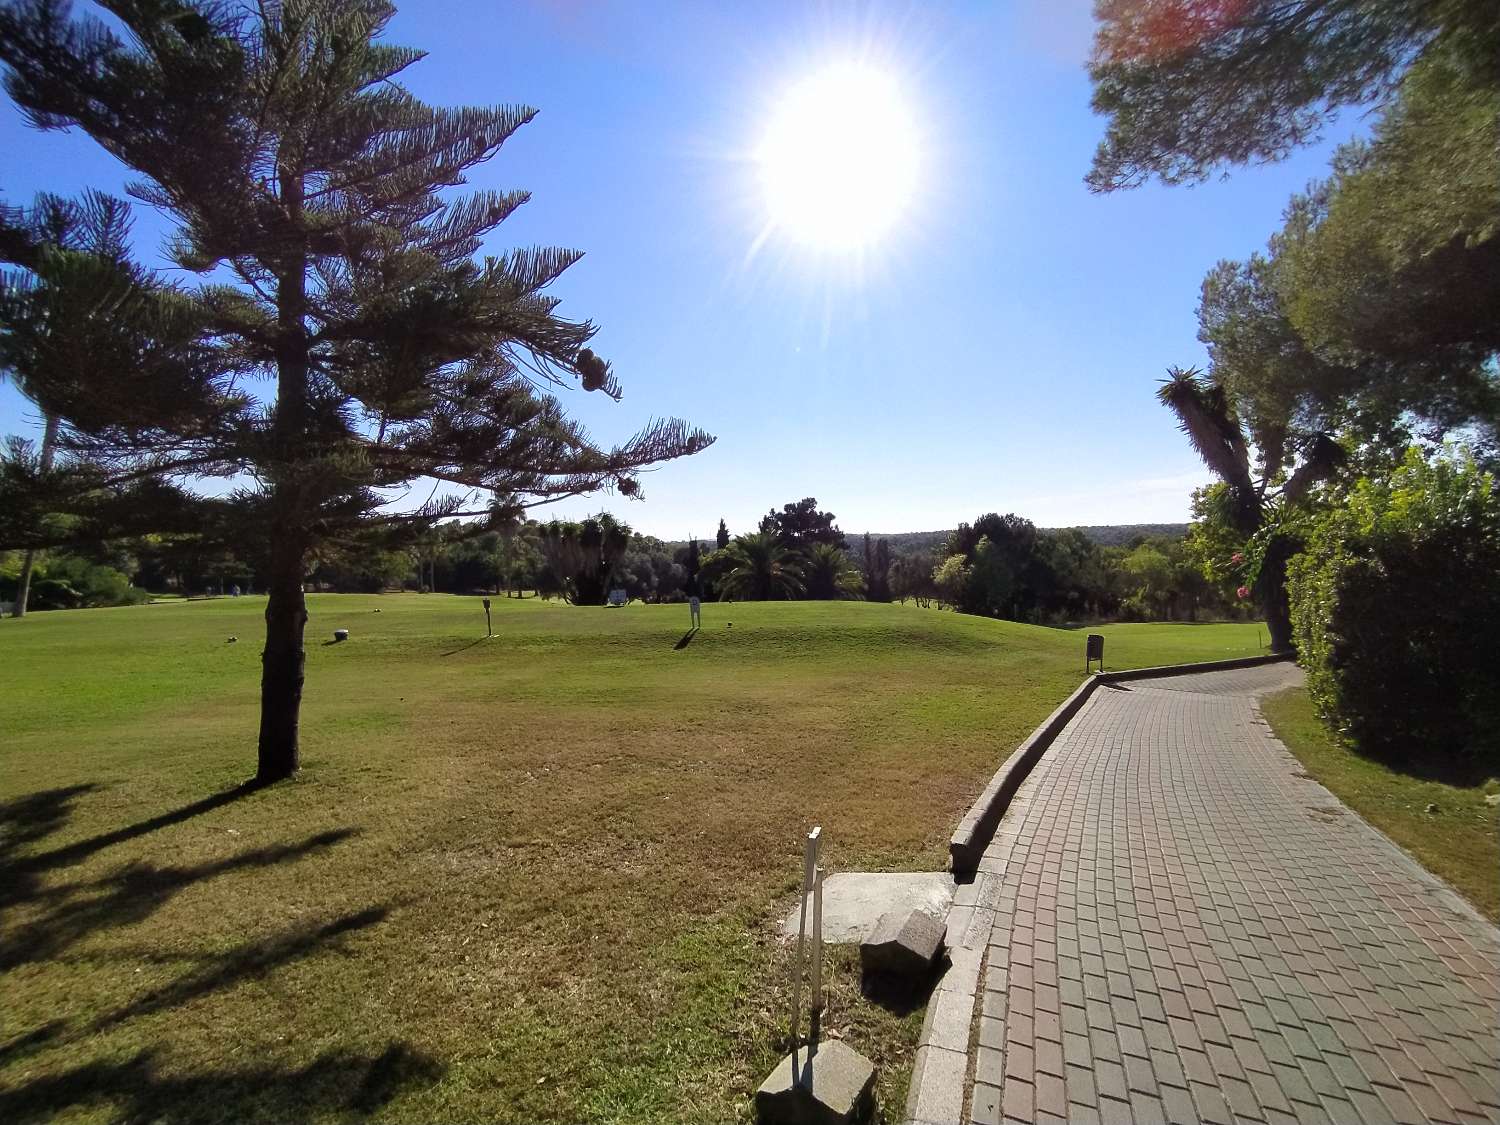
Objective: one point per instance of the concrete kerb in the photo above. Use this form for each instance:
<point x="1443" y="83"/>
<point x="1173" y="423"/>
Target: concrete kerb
<point x="966" y="848"/>
<point x="938" y="1090"/>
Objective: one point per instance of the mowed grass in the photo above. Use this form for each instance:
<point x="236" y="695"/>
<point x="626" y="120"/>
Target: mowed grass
<point x="534" y="878"/>
<point x="1457" y="840"/>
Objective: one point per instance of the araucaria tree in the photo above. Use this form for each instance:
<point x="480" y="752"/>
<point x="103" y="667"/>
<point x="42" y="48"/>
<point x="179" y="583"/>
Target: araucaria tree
<point x="317" y="191"/>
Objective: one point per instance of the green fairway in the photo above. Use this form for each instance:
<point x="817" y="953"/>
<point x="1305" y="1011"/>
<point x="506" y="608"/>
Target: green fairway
<point x="533" y="878"/>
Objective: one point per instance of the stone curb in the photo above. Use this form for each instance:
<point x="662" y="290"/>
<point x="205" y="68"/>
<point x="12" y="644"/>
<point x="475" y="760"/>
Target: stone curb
<point x="967" y="846"/>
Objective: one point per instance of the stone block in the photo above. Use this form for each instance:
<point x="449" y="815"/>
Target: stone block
<point x="826" y="1084"/>
<point x="905" y="944"/>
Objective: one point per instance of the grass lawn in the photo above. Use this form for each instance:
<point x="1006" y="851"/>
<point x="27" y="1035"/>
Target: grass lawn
<point x="533" y="878"/>
<point x="1457" y="841"/>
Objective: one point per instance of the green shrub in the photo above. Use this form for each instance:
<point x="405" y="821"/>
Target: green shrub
<point x="1396" y="608"/>
<point x="63" y="581"/>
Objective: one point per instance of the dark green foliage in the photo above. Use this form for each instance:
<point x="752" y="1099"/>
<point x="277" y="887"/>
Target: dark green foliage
<point x="1372" y="312"/>
<point x="649" y="571"/>
<point x="911" y="576"/>
<point x="877" y="569"/>
<point x="1190" y="87"/>
<point x="69" y="581"/>
<point x="830" y="574"/>
<point x="757" y="568"/>
<point x="583" y="556"/>
<point x="798" y="526"/>
<point x="721" y="539"/>
<point x="1397" y="609"/>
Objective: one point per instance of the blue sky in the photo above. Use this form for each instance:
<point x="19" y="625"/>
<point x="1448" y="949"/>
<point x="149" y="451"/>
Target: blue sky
<point x="997" y="350"/>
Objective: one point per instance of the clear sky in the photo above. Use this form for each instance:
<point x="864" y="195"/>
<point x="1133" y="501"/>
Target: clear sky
<point x="995" y="349"/>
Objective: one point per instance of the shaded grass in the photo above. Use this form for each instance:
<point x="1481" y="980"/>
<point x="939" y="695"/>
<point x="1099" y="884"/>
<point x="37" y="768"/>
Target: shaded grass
<point x="1456" y="841"/>
<point x="533" y="878"/>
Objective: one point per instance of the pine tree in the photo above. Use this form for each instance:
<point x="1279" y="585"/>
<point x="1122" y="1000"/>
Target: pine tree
<point x="299" y="169"/>
<point x="75" y="312"/>
<point x="722" y="538"/>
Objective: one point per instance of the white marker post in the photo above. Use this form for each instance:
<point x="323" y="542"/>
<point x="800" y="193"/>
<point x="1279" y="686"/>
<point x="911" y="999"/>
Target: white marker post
<point x="809" y="882"/>
<point x="817" y="972"/>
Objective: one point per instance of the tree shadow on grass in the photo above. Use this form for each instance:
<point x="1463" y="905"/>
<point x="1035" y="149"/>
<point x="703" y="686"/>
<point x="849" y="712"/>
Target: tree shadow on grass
<point x="1457" y="770"/>
<point x="138" y="1090"/>
<point x="249" y="961"/>
<point x="33" y="817"/>
<point x="73" y="911"/>
<point x="26" y="820"/>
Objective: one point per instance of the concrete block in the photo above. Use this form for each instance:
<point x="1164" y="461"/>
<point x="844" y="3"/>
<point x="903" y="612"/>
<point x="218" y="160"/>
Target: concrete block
<point x="905" y="944"/>
<point x="824" y="1084"/>
<point x="855" y="901"/>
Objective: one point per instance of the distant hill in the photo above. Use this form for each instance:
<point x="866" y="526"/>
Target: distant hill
<point x="1106" y="535"/>
<point x="914" y="542"/>
<point x="1119" y="534"/>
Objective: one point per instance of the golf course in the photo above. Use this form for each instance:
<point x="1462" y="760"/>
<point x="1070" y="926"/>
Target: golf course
<point x="534" y="876"/>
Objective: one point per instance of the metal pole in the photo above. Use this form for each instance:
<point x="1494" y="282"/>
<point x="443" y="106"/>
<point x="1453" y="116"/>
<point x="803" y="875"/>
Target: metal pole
<point x="809" y="863"/>
<point x="817" y="968"/>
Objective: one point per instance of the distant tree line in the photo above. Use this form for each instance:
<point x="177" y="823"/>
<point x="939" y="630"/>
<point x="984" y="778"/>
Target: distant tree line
<point x="1000" y="566"/>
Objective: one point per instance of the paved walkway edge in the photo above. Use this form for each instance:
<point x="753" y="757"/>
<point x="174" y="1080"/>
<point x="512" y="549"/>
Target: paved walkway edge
<point x="978" y="825"/>
<point x="940" y="1069"/>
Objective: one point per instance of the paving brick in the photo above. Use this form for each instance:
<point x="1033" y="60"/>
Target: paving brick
<point x="1018" y="1099"/>
<point x="1211" y="1105"/>
<point x="1139" y="1075"/>
<point x="1051" y="1095"/>
<point x="1109" y="1077"/>
<point x="1191" y="930"/>
<point x="1168" y="1068"/>
<point x="985" y="1104"/>
<point x="1178" y="1105"/>
<point x="1080" y="1083"/>
<point x="1049" y="1057"/>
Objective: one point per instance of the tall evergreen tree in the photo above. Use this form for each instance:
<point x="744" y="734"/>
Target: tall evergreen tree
<point x="312" y="183"/>
<point x="74" y="312"/>
<point x="722" y="538"/>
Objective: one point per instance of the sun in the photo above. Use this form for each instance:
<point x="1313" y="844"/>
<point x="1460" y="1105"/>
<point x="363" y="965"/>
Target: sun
<point x="840" y="157"/>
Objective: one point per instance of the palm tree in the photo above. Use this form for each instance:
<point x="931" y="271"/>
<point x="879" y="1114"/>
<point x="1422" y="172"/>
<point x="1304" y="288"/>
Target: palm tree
<point x="1208" y="417"/>
<point x="763" y="570"/>
<point x="583" y="556"/>
<point x="831" y="574"/>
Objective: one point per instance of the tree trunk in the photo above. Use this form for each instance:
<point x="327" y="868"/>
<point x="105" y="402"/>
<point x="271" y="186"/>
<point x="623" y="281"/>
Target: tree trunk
<point x="28" y="561"/>
<point x="1273" y="597"/>
<point x="282" y="664"/>
<point x="283" y="660"/>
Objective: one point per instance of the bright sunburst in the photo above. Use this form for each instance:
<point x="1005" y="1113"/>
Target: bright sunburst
<point x="839" y="161"/>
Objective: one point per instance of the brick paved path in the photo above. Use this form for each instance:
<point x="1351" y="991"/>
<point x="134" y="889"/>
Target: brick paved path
<point x="1189" y="930"/>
